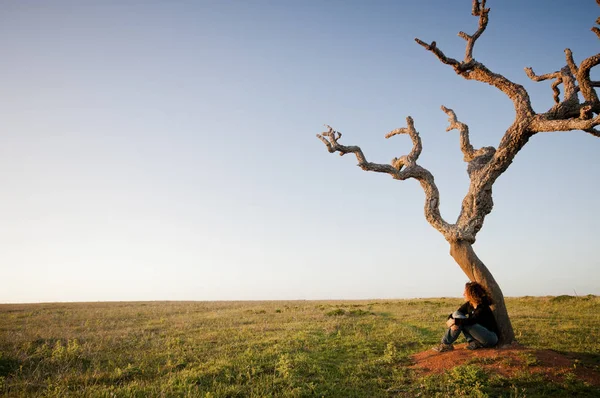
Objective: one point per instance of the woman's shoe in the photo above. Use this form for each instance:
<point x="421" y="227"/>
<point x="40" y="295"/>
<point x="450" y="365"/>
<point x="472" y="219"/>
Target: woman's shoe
<point x="474" y="345"/>
<point x="443" y="347"/>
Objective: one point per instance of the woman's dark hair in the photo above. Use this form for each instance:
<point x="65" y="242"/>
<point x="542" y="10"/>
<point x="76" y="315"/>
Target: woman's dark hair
<point x="477" y="293"/>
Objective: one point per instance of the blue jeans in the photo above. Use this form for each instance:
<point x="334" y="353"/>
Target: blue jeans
<point x="472" y="332"/>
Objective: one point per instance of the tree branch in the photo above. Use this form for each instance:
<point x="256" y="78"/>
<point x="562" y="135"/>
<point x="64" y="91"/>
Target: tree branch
<point x="569" y="106"/>
<point x="583" y="77"/>
<point x="470" y="69"/>
<point x="401" y="168"/>
<point x="478" y="202"/>
<point x="478" y="10"/>
<point x="595" y="29"/>
<point x="541" y="123"/>
<point x="482" y="155"/>
<point x="582" y="74"/>
<point x="411" y="158"/>
<point x="570" y="113"/>
<point x="563" y="76"/>
<point x="441" y="56"/>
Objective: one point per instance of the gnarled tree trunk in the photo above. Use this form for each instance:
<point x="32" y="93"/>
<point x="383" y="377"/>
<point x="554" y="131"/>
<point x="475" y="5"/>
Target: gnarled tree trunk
<point x="476" y="271"/>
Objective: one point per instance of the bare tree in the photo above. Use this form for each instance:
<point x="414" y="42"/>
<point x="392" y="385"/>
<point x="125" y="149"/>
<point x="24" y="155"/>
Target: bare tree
<point x="486" y="164"/>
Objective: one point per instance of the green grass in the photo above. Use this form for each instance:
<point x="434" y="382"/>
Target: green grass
<point x="272" y="349"/>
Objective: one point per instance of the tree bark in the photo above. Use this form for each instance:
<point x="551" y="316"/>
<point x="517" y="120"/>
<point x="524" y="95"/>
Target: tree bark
<point x="476" y="271"/>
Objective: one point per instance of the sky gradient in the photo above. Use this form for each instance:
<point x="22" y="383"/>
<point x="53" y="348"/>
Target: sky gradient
<point x="166" y="150"/>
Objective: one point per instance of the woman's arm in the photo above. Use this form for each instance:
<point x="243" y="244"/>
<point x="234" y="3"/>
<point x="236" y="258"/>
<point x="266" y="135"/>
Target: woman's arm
<point x="481" y="312"/>
<point x="464" y="308"/>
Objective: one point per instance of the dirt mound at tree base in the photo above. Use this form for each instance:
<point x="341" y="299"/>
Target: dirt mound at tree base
<point x="509" y="361"/>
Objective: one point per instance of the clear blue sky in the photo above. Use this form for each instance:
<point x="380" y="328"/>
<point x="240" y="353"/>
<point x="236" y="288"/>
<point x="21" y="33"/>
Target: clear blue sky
<point x="166" y="150"/>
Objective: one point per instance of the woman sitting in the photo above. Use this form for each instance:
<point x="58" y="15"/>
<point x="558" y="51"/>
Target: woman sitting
<point x="474" y="319"/>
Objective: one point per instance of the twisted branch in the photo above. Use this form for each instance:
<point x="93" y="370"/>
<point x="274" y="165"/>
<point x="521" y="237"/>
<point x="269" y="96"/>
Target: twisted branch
<point x="541" y="123"/>
<point x="564" y="76"/>
<point x="330" y="139"/>
<point x="411" y="158"/>
<point x="401" y="168"/>
<point x="440" y="55"/>
<point x="595" y="29"/>
<point x="582" y="74"/>
<point x="471" y="69"/>
<point x="478" y="10"/>
<point x="570" y="114"/>
<point x="467" y="149"/>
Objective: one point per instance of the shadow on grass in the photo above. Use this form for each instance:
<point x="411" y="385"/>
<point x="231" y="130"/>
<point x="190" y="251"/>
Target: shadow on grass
<point x="588" y="360"/>
<point x="8" y="365"/>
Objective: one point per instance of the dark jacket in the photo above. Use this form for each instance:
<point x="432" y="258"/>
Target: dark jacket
<point x="482" y="315"/>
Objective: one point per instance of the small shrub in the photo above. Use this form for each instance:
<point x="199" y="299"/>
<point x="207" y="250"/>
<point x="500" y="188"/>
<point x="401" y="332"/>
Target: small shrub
<point x="390" y="354"/>
<point x="70" y="352"/>
<point x="570" y="378"/>
<point x="7" y="365"/>
<point x="429" y="386"/>
<point x="73" y="349"/>
<point x="59" y="352"/>
<point x="336" y="312"/>
<point x="467" y="380"/>
<point x="562" y="299"/>
<point x="529" y="359"/>
<point x="360" y="312"/>
<point x="129" y="373"/>
<point x="284" y="366"/>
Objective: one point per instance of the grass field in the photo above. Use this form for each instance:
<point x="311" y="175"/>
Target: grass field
<point x="273" y="349"/>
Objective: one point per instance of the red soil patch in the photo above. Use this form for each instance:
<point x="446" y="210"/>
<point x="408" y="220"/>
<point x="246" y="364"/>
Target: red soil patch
<point x="508" y="361"/>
